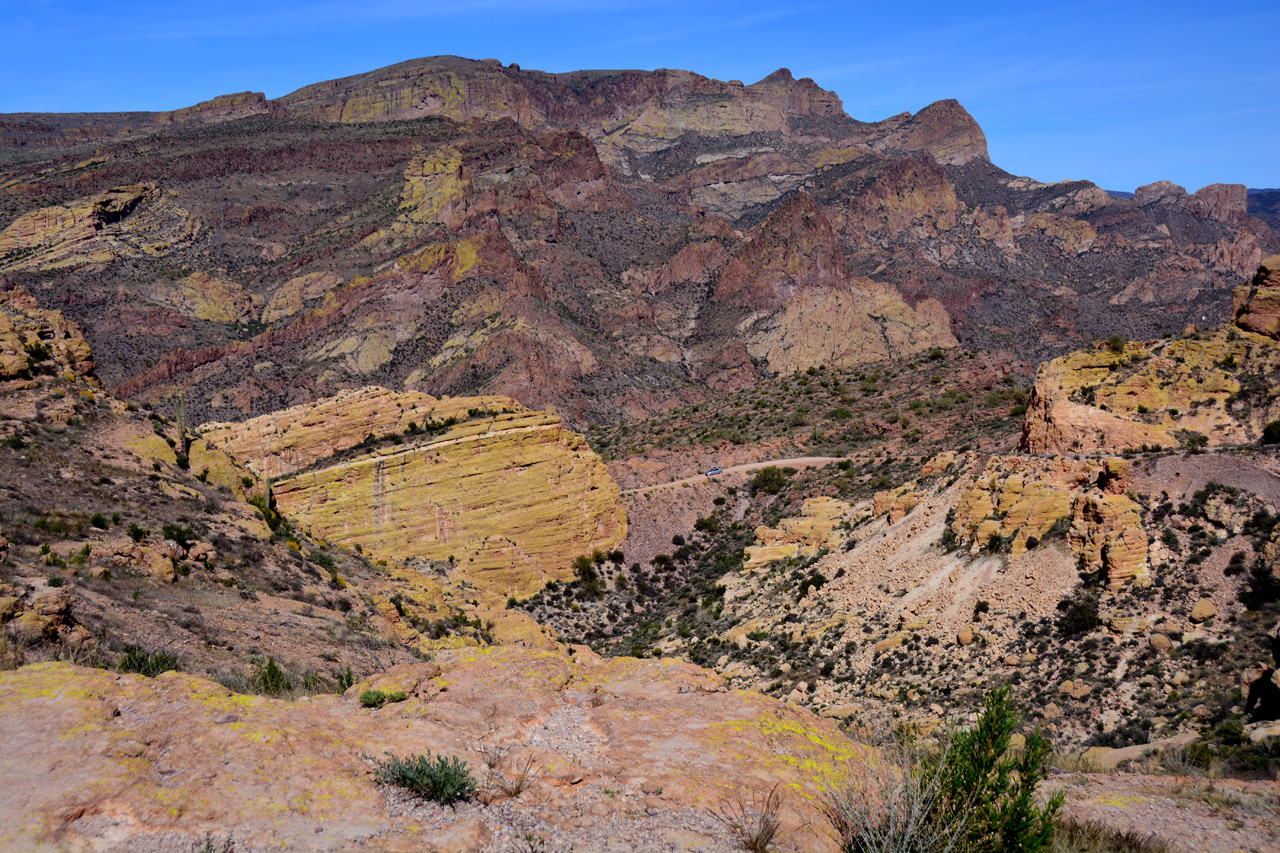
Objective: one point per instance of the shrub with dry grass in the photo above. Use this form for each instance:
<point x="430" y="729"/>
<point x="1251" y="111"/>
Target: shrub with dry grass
<point x="1076" y="836"/>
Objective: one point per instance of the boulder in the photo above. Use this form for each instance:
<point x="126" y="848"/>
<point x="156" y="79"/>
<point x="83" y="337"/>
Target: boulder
<point x="1203" y="610"/>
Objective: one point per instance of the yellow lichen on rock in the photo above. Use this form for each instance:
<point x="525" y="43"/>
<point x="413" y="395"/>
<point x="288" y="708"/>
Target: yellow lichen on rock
<point x="1154" y="394"/>
<point x="896" y="503"/>
<point x="289" y="440"/>
<point x="652" y="725"/>
<point x="1106" y="533"/>
<point x="1020" y="498"/>
<point x="1071" y="236"/>
<point x="31" y="336"/>
<point x="292" y="297"/>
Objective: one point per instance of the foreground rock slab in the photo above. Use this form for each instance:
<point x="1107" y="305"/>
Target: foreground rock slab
<point x="641" y="750"/>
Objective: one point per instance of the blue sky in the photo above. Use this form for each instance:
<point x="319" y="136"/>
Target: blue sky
<point x="1118" y="93"/>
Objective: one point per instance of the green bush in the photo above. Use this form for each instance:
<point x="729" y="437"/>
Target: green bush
<point x="1271" y="433"/>
<point x="182" y="535"/>
<point x="769" y="480"/>
<point x="377" y="698"/>
<point x="972" y="796"/>
<point x="1079" y="615"/>
<point x="444" y="780"/>
<point x="268" y="678"/>
<point x="139" y="660"/>
<point x="707" y="524"/>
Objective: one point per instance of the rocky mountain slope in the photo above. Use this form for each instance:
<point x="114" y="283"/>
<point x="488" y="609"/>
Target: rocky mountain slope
<point x="128" y="533"/>
<point x="392" y="299"/>
<point x="1128" y="598"/>
<point x="608" y="243"/>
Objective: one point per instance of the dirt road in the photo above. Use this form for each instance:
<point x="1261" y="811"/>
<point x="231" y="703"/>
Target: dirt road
<point x="794" y="462"/>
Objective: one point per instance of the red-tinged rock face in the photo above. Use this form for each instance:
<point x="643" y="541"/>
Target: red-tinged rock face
<point x="796" y="250"/>
<point x="1257" y="305"/>
<point x="944" y="130"/>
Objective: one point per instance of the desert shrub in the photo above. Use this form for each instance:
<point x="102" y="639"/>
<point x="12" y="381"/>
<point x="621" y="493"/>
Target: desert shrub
<point x="590" y="583"/>
<point x="444" y="780"/>
<point x="1116" y="343"/>
<point x="970" y="796"/>
<point x="1079" y="615"/>
<point x="139" y="660"/>
<point x="1075" y="836"/>
<point x="266" y="677"/>
<point x="213" y="844"/>
<point x="1262" y="587"/>
<point x="99" y="521"/>
<point x="815" y="581"/>
<point x="709" y="524"/>
<point x="323" y="560"/>
<point x="769" y="480"/>
<point x="377" y="698"/>
<point x="752" y="821"/>
<point x="1271" y="433"/>
<point x="182" y="535"/>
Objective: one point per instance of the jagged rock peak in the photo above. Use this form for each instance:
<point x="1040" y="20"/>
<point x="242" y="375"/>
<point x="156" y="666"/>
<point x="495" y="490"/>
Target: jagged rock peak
<point x="943" y="129"/>
<point x="782" y="75"/>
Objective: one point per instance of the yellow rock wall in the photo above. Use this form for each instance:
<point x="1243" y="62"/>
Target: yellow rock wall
<point x="289" y="440"/>
<point x="846" y="328"/>
<point x="201" y="296"/>
<point x="125" y="221"/>
<point x="512" y="497"/>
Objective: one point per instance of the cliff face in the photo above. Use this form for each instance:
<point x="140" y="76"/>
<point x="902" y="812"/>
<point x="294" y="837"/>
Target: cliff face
<point x="500" y="497"/>
<point x="1018" y="499"/>
<point x="123" y="222"/>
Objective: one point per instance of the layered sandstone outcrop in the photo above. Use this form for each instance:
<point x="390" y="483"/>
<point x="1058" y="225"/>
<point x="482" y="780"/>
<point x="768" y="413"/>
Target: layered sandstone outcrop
<point x="224" y="108"/>
<point x="128" y="221"/>
<point x="504" y="496"/>
<point x="1163" y="393"/>
<point x="1022" y="500"/>
<point x="34" y="339"/>
<point x="815" y="529"/>
<point x="286" y="441"/>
